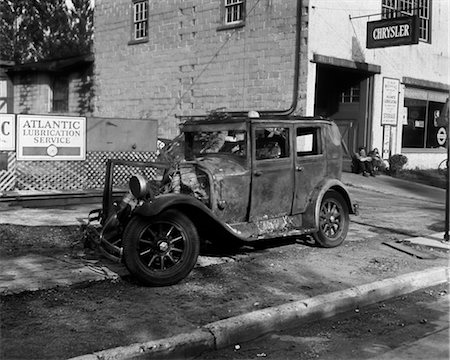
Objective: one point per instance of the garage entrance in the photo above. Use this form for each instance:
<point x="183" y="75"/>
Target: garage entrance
<point x="345" y="95"/>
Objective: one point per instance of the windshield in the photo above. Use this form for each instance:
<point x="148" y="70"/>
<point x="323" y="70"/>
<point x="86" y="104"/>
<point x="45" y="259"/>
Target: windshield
<point x="202" y="143"/>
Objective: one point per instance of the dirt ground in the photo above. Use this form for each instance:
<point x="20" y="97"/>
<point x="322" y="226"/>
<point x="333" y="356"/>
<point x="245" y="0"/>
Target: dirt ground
<point x="66" y="322"/>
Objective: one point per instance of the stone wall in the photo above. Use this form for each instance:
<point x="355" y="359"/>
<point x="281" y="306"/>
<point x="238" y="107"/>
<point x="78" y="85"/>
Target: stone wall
<point x="189" y="66"/>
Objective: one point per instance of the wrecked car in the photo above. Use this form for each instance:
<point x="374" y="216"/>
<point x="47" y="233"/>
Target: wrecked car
<point x="228" y="180"/>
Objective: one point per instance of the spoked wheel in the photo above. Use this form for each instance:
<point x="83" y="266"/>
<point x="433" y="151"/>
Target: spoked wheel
<point x="163" y="250"/>
<point x="333" y="220"/>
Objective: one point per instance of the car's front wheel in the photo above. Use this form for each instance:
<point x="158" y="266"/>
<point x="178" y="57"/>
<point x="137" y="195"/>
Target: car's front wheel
<point x="163" y="250"/>
<point x="333" y="220"/>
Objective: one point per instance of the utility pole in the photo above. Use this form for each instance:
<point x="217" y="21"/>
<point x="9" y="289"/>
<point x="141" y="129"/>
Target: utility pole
<point x="447" y="188"/>
<point x="443" y="121"/>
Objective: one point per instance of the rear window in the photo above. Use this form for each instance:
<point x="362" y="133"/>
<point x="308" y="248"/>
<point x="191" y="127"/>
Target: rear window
<point x="308" y="141"/>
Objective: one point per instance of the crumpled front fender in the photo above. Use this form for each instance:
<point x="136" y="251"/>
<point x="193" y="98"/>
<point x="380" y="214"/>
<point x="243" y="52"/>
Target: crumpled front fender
<point x="200" y="214"/>
<point x="163" y="202"/>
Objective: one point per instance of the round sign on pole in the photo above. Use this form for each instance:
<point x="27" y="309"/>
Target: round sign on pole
<point x="441" y="136"/>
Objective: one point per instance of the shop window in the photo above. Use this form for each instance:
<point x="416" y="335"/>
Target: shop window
<point x="140" y="21"/>
<point x="233" y="13"/>
<point x="60" y="90"/>
<point x="421" y="8"/>
<point x="272" y="143"/>
<point x="421" y="129"/>
<point x="308" y="141"/>
<point x="350" y="95"/>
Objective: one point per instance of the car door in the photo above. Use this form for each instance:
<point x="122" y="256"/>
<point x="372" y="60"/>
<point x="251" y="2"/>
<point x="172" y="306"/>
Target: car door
<point x="272" y="181"/>
<point x="310" y="164"/>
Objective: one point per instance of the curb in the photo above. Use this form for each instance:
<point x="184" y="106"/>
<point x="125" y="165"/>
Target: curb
<point x="246" y="327"/>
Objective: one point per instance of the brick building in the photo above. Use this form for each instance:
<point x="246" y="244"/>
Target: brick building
<point x="164" y="59"/>
<point x="63" y="86"/>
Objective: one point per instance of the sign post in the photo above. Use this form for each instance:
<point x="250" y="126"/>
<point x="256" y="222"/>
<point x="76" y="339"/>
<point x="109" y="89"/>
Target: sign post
<point x="443" y="120"/>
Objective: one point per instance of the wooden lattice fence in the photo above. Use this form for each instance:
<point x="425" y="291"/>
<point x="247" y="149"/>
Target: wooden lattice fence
<point x="68" y="175"/>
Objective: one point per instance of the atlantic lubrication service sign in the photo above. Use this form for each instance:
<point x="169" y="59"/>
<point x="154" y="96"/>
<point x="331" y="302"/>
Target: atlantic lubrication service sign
<point x="41" y="137"/>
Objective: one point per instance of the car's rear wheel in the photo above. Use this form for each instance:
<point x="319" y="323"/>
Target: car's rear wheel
<point x="333" y="220"/>
<point x="162" y="250"/>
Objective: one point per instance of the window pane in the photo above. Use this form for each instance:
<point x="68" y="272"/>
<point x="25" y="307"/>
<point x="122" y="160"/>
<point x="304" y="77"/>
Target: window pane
<point x="395" y="8"/>
<point x="272" y="143"/>
<point x="140" y="20"/>
<point x="234" y="11"/>
<point x="308" y="141"/>
<point x="414" y="130"/>
<point x="60" y="95"/>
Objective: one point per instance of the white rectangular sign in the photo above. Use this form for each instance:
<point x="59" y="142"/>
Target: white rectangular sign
<point x="7" y="132"/>
<point x="43" y="137"/>
<point x="389" y="110"/>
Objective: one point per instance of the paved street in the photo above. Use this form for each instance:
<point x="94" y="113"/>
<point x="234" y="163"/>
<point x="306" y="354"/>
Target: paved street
<point x="410" y="327"/>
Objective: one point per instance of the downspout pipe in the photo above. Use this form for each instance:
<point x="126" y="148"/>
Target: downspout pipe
<point x="293" y="107"/>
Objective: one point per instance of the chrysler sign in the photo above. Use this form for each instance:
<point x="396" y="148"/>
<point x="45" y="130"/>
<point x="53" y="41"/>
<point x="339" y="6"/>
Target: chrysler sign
<point x="393" y="32"/>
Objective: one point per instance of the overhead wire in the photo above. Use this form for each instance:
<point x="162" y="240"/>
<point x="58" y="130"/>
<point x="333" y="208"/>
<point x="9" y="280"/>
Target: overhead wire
<point x="216" y="54"/>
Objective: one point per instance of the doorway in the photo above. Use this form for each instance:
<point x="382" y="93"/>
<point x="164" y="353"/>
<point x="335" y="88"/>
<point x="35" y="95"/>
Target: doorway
<point x="344" y="95"/>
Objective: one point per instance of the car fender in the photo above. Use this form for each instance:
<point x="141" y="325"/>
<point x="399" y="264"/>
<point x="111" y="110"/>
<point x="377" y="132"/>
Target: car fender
<point x="311" y="215"/>
<point x="199" y="213"/>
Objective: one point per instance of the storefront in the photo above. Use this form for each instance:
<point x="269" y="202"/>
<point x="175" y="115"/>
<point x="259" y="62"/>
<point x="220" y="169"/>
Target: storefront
<point x="423" y="139"/>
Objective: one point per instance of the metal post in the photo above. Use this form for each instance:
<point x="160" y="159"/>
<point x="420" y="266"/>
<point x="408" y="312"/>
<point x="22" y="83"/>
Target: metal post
<point x="447" y="189"/>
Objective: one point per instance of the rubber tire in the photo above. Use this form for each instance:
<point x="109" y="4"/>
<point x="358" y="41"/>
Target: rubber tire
<point x="334" y="198"/>
<point x="132" y="233"/>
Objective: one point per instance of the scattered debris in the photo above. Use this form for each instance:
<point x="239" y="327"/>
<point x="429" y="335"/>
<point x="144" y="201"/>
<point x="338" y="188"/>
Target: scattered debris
<point x="409" y="250"/>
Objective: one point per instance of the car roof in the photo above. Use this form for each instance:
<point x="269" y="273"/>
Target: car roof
<point x="225" y="118"/>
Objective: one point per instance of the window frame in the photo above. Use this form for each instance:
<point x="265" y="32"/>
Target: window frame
<point x="137" y="22"/>
<point x="391" y="9"/>
<point x="317" y="144"/>
<point x="228" y="5"/>
<point x="429" y="107"/>
<point x="62" y="95"/>
<point x="284" y="151"/>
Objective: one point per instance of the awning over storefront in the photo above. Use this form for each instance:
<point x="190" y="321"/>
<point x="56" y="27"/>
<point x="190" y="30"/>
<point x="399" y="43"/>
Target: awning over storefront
<point x="344" y="63"/>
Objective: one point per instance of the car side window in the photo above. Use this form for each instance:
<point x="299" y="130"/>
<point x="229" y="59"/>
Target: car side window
<point x="308" y="141"/>
<point x="271" y="143"/>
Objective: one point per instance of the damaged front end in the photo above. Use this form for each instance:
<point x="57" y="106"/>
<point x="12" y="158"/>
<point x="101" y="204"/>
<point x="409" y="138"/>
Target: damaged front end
<point x="147" y="180"/>
<point x="106" y="225"/>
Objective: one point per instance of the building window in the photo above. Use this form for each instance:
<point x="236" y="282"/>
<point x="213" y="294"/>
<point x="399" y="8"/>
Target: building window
<point x="350" y="95"/>
<point x="60" y="90"/>
<point x="421" y="8"/>
<point x="233" y="14"/>
<point x="234" y="11"/>
<point x="140" y="20"/>
<point x="421" y="128"/>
